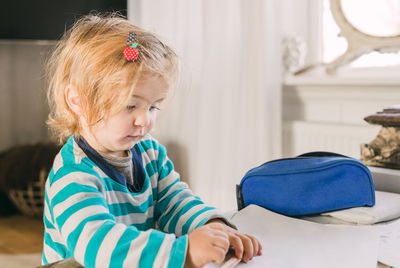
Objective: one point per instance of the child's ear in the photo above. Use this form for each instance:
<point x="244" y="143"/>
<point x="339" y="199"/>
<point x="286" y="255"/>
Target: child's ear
<point x="73" y="100"/>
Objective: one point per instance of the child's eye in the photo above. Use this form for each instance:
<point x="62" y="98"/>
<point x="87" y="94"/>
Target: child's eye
<point x="130" y="107"/>
<point x="154" y="108"/>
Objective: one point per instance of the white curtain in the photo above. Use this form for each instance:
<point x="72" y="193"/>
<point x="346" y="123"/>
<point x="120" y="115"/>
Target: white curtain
<point x="225" y="117"/>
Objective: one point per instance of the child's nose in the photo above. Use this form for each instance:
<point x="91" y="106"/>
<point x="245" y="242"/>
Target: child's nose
<point x="142" y="118"/>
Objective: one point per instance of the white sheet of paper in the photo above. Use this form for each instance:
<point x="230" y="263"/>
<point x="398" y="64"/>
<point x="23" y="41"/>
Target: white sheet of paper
<point x="288" y="242"/>
<point x="389" y="248"/>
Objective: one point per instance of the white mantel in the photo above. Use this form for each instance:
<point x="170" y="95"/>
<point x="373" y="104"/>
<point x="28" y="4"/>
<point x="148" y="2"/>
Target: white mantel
<point x="322" y="112"/>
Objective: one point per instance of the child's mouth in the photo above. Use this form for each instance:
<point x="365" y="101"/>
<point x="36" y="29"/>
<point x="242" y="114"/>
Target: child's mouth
<point x="134" y="136"/>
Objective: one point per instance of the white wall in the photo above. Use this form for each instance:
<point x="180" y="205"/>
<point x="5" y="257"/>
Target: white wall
<point x="23" y="106"/>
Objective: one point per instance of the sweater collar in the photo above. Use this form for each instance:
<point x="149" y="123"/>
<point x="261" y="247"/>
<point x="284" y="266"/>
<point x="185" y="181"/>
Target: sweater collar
<point x="110" y="171"/>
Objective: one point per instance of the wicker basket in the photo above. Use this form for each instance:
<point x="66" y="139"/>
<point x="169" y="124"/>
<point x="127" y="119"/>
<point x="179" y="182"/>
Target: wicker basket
<point x="30" y="200"/>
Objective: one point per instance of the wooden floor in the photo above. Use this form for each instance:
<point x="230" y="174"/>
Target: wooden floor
<point x="20" y="234"/>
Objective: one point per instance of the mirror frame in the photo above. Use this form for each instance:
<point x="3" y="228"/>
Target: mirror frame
<point x="358" y="43"/>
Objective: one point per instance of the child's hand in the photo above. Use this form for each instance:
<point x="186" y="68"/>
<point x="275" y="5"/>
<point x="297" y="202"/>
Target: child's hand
<point x="246" y="246"/>
<point x="208" y="243"/>
<point x="218" y="237"/>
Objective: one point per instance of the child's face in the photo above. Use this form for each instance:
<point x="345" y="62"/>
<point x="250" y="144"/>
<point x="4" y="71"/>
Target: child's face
<point x="121" y="131"/>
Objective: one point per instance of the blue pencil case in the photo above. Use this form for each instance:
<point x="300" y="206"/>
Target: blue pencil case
<point x="311" y="183"/>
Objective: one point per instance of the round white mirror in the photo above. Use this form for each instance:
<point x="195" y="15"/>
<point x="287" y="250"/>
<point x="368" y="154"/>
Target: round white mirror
<point x="373" y="17"/>
<point x="367" y="25"/>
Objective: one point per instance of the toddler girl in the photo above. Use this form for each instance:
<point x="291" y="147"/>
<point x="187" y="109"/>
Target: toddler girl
<point x="113" y="198"/>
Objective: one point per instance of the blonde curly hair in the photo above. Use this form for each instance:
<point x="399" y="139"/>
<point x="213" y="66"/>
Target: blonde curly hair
<point x="90" y="58"/>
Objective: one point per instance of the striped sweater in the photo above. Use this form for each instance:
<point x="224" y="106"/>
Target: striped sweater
<point x="94" y="216"/>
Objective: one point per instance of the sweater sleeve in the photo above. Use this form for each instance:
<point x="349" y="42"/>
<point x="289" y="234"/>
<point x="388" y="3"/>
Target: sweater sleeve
<point x="93" y="237"/>
<point x="177" y="209"/>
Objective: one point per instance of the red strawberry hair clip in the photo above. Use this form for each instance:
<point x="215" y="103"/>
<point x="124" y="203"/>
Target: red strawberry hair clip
<point x="131" y="52"/>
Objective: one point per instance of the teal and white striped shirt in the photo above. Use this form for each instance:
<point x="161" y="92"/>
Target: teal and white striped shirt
<point x="94" y="216"/>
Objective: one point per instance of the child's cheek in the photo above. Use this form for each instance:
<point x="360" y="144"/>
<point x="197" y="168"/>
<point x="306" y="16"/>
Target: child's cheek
<point x="150" y="125"/>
